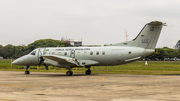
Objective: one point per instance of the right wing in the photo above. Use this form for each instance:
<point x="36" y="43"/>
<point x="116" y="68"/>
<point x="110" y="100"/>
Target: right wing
<point x="62" y="59"/>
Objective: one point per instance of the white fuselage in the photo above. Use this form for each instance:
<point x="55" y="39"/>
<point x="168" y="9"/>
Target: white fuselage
<point x="86" y="56"/>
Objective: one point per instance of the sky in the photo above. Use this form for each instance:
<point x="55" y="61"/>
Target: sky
<point x="92" y="21"/>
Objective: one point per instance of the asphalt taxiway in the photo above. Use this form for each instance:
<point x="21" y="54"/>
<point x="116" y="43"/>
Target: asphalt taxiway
<point x="16" y="86"/>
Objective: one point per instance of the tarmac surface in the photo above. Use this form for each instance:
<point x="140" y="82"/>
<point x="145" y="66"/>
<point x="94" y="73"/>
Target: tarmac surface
<point x="16" y="86"/>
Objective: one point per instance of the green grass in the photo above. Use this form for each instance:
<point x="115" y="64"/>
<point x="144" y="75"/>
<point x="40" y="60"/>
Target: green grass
<point x="153" y="68"/>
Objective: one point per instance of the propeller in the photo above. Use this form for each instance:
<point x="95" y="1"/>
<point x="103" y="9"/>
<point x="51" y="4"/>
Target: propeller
<point x="42" y="61"/>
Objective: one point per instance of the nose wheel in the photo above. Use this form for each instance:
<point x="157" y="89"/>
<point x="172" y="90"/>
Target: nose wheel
<point x="27" y="72"/>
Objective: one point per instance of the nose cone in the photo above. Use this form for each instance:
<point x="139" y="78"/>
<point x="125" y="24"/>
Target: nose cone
<point x="19" y="61"/>
<point x="15" y="62"/>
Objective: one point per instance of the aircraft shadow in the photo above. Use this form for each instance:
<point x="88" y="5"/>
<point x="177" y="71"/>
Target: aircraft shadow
<point x="58" y="75"/>
<point x="171" y="75"/>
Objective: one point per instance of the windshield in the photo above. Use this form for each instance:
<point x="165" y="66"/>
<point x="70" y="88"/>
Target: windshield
<point x="33" y="53"/>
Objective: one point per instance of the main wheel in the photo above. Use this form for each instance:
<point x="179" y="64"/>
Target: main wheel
<point x="88" y="72"/>
<point x="27" y="72"/>
<point x="69" y="73"/>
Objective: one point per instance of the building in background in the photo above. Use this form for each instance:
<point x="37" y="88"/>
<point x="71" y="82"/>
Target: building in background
<point x="77" y="43"/>
<point x="22" y="45"/>
<point x="177" y="46"/>
<point x="73" y="42"/>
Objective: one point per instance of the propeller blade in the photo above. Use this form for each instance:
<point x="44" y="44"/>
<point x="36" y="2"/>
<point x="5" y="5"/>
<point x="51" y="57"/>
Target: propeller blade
<point x="47" y="68"/>
<point x="42" y="61"/>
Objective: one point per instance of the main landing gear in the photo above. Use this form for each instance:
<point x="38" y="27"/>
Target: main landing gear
<point x="27" y="72"/>
<point x="88" y="72"/>
<point x="70" y="72"/>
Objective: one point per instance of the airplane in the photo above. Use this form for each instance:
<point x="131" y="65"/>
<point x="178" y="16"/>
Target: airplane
<point x="116" y="54"/>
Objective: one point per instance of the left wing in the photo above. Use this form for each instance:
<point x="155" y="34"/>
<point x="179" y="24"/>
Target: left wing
<point x="69" y="60"/>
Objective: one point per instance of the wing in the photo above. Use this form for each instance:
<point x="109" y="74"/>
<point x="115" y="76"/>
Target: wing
<point x="69" y="60"/>
<point x="62" y="59"/>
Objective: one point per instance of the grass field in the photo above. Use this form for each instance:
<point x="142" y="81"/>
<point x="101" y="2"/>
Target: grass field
<point x="153" y="68"/>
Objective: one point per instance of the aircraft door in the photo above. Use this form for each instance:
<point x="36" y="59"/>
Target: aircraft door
<point x="72" y="54"/>
<point x="41" y="51"/>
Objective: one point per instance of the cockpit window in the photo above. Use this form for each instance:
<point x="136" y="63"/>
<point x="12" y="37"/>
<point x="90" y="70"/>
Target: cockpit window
<point x="33" y="53"/>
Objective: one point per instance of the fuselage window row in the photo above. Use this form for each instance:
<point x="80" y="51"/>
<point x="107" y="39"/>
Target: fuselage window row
<point x="65" y="53"/>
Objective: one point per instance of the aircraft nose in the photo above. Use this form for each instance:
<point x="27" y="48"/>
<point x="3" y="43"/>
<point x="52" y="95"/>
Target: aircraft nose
<point x="18" y="61"/>
<point x="15" y="62"/>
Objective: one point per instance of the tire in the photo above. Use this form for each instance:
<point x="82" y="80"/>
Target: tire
<point x="27" y="72"/>
<point x="88" y="72"/>
<point x="69" y="73"/>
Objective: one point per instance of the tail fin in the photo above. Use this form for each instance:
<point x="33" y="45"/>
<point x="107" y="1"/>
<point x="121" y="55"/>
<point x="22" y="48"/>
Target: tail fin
<point x="147" y="38"/>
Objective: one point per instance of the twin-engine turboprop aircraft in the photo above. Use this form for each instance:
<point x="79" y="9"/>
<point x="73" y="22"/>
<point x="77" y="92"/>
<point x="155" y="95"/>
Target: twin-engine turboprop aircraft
<point x="116" y="54"/>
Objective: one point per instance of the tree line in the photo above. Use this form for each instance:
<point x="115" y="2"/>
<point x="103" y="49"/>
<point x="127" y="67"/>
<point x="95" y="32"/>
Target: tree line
<point x="9" y="51"/>
<point x="165" y="52"/>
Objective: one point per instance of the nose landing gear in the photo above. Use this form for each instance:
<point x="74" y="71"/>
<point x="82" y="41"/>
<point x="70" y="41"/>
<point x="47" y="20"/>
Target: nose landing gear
<point x="27" y="72"/>
<point x="27" y="67"/>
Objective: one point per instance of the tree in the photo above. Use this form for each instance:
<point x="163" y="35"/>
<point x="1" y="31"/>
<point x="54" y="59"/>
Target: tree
<point x="164" y="52"/>
<point x="18" y="51"/>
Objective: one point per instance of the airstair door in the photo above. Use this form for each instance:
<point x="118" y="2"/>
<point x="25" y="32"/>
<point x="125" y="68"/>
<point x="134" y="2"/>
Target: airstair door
<point x="41" y="51"/>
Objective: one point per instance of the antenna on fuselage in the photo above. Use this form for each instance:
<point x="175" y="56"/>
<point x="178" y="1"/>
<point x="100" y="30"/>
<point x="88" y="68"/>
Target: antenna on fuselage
<point x="125" y="34"/>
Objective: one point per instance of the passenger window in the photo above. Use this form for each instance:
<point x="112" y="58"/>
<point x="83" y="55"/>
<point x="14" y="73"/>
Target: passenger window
<point x="46" y="53"/>
<point x="33" y="53"/>
<point x="49" y="52"/>
<point x="91" y="53"/>
<point x="97" y="53"/>
<point x="65" y="53"/>
<point x="53" y="53"/>
<point x="59" y="53"/>
<point x="103" y="53"/>
<point x="85" y="53"/>
<point x="78" y="53"/>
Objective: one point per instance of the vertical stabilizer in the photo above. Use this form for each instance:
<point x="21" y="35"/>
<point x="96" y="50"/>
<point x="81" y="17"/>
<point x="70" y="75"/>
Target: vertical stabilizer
<point x="147" y="38"/>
